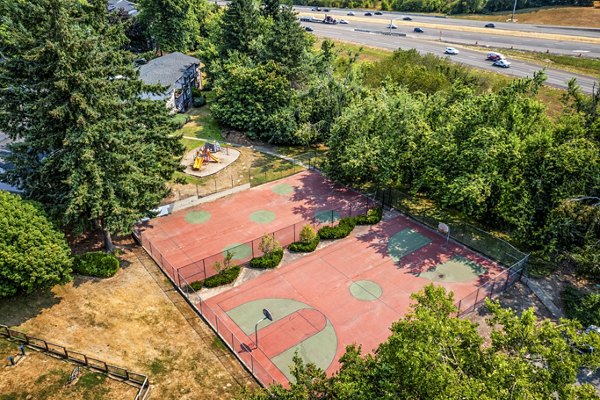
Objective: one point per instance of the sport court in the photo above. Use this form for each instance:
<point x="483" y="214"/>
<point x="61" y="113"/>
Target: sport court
<point x="348" y="292"/>
<point x="188" y="236"/>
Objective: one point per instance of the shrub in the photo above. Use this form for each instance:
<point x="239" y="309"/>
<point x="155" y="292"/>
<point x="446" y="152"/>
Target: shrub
<point x="308" y="234"/>
<point x="372" y="217"/>
<point x="268" y="244"/>
<point x="583" y="307"/>
<point x="96" y="263"/>
<point x="341" y="230"/>
<point x="198" y="99"/>
<point x="268" y="260"/>
<point x="222" y="278"/>
<point x="304" y="247"/>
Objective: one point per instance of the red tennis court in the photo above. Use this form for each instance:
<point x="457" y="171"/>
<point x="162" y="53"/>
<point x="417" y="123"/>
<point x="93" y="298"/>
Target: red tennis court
<point x="192" y="240"/>
<point x="348" y="292"/>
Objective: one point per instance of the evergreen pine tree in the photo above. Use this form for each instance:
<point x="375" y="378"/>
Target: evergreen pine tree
<point x="87" y="145"/>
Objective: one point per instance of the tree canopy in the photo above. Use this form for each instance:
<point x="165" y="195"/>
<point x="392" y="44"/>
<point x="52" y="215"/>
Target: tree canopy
<point x="33" y="253"/>
<point x="88" y="145"/>
<point x="431" y="354"/>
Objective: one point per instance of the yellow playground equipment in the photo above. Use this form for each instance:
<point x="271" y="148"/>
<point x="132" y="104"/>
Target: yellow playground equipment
<point x="205" y="155"/>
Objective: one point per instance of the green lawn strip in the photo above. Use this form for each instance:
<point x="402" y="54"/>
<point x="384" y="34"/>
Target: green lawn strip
<point x="578" y="65"/>
<point x="202" y="125"/>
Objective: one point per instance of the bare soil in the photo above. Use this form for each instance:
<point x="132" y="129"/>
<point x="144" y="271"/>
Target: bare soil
<point x="134" y="320"/>
<point x="43" y="377"/>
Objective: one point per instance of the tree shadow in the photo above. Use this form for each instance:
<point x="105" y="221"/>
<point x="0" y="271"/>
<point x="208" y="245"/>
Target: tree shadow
<point x="19" y="309"/>
<point x="317" y="193"/>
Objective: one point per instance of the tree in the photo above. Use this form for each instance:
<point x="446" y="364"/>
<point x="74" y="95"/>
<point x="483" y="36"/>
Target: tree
<point x="240" y="28"/>
<point x="174" y="25"/>
<point x="33" y="254"/>
<point x="433" y="355"/>
<point x="268" y="245"/>
<point x="89" y="147"/>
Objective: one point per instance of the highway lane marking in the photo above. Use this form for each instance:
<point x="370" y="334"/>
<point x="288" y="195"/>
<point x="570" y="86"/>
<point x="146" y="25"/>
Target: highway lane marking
<point x="461" y="28"/>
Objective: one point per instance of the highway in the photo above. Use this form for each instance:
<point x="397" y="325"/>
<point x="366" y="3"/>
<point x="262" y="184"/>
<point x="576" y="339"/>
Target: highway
<point x="424" y="44"/>
<point x="559" y="40"/>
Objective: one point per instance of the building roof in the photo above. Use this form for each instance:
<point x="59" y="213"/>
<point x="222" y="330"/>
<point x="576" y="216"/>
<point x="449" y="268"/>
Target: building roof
<point x="124" y="5"/>
<point x="166" y="70"/>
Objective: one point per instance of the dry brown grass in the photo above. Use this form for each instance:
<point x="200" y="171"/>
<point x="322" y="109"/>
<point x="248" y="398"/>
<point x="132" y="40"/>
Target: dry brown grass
<point x="567" y="16"/>
<point x="130" y="321"/>
<point x="42" y="377"/>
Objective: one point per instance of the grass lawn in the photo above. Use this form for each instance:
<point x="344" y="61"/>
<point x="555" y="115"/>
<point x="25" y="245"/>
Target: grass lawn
<point x="571" y="16"/>
<point x="129" y="321"/>
<point x="578" y="65"/>
<point x="43" y="377"/>
<point x="201" y="125"/>
<point x="367" y="53"/>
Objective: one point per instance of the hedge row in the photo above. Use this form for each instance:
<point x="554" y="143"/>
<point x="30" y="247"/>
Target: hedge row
<point x="270" y="260"/>
<point x="372" y="217"/>
<point x="304" y="247"/>
<point x="96" y="263"/>
<point x="341" y="230"/>
<point x="223" y="278"/>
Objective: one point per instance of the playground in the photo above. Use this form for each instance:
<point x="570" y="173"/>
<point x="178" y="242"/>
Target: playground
<point x="184" y="239"/>
<point x="348" y="292"/>
<point x="208" y="159"/>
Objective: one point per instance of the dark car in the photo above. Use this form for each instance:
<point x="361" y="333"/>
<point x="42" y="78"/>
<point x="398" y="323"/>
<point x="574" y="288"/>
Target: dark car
<point x="378" y="13"/>
<point x="490" y="25"/>
<point x="326" y="10"/>
<point x="418" y="30"/>
<point x="318" y="8"/>
<point x="368" y="14"/>
<point x="407" y="19"/>
<point x="308" y="29"/>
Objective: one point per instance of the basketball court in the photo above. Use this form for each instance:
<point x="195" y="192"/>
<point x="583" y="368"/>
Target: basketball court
<point x="348" y="292"/>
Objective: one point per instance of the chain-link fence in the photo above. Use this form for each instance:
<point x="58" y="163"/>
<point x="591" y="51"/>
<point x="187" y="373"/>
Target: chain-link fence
<point x="474" y="238"/>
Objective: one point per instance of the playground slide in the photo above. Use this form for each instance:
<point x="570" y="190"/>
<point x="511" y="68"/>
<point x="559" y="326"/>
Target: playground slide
<point x="215" y="159"/>
<point x="198" y="163"/>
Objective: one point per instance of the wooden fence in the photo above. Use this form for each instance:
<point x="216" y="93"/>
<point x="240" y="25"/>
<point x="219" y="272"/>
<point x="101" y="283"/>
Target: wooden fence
<point x="139" y="380"/>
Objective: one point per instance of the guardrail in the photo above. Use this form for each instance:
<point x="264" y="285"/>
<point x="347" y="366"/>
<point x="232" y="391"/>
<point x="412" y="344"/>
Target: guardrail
<point x="139" y="380"/>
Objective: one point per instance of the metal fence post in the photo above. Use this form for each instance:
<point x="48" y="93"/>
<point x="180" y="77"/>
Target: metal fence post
<point x="476" y="297"/>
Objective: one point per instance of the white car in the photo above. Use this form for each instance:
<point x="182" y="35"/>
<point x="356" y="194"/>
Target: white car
<point x="501" y="63"/>
<point x="351" y="13"/>
<point x="392" y="26"/>
<point x="343" y="22"/>
<point x="451" y="51"/>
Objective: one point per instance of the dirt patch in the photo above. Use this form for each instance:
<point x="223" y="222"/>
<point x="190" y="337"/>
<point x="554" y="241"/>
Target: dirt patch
<point x="42" y="377"/>
<point x="135" y="320"/>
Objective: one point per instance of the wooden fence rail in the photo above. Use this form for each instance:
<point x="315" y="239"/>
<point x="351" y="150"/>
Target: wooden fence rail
<point x="139" y="380"/>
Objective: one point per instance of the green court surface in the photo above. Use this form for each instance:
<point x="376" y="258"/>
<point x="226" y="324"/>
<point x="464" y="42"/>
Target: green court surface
<point x="283" y="189"/>
<point x="365" y="290"/>
<point x="405" y="242"/>
<point x="246" y="315"/>
<point x="262" y="216"/>
<point x="457" y="269"/>
<point x="197" y="217"/>
<point x="240" y="251"/>
<point x="318" y="349"/>
<point x="326" y="216"/>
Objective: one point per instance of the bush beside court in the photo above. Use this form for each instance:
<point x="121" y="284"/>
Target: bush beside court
<point x="309" y="240"/>
<point x="96" y="263"/>
<point x="222" y="278"/>
<point x="341" y="230"/>
<point x="267" y="261"/>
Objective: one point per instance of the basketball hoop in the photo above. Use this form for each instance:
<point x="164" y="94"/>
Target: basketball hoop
<point x="445" y="230"/>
